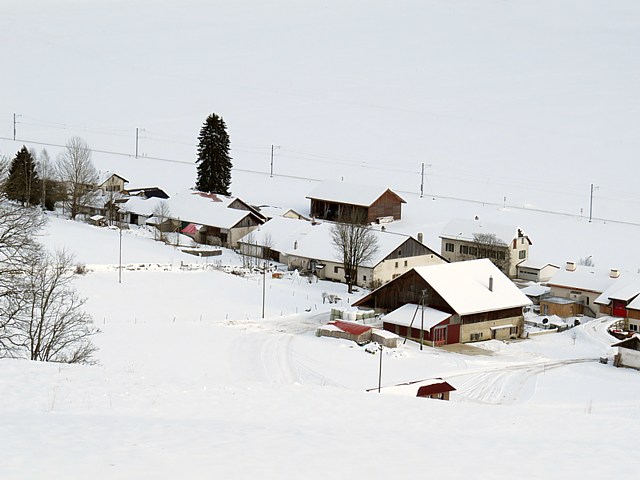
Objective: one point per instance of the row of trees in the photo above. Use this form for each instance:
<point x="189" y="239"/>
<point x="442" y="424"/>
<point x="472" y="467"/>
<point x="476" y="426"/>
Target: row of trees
<point x="33" y="179"/>
<point x="41" y="315"/>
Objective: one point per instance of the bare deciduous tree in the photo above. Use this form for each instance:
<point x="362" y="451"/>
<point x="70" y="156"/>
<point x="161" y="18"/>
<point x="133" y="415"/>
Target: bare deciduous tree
<point x="17" y="227"/>
<point x="162" y="213"/>
<point x="488" y="245"/>
<point x="356" y="243"/>
<point x="76" y="170"/>
<point x="52" y="322"/>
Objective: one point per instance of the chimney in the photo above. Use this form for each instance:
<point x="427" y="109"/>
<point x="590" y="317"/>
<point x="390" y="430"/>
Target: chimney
<point x="614" y="273"/>
<point x="295" y="245"/>
<point x="420" y="237"/>
<point x="571" y="266"/>
<point x="490" y="283"/>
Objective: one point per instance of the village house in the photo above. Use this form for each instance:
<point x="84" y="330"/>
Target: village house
<point x="111" y="182"/>
<point x="341" y="201"/>
<point x="506" y="246"/>
<point x="534" y="271"/>
<point x="628" y="353"/>
<point x="435" y="388"/>
<point x="575" y="289"/>
<point x="314" y="251"/>
<point x="207" y="218"/>
<point x="622" y="300"/>
<point x="463" y="302"/>
<point x="272" y="238"/>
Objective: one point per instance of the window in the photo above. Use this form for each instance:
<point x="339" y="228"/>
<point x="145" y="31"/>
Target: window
<point x="399" y="253"/>
<point x="633" y="327"/>
<point x="464" y="249"/>
<point x="473" y="250"/>
<point x="406" y="263"/>
<point x="335" y="269"/>
<point x="513" y="331"/>
<point x="396" y="264"/>
<point x="476" y="336"/>
<point x="501" y="255"/>
<point x="522" y="240"/>
<point x="522" y="254"/>
<point x="364" y="278"/>
<point x="448" y="247"/>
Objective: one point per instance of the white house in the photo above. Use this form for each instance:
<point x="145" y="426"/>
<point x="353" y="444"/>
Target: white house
<point x="505" y="245"/>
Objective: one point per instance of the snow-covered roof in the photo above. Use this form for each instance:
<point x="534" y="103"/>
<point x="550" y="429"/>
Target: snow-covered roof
<point x="280" y="233"/>
<point x="459" y="229"/>
<point x="141" y="205"/>
<point x="269" y="211"/>
<point x="103" y="176"/>
<point x="430" y="386"/>
<point x="465" y="286"/>
<point x="583" y="278"/>
<point x="535" y="290"/>
<point x="535" y="264"/>
<point x="316" y="243"/>
<point x="625" y="288"/>
<point x="409" y="312"/>
<point x="349" y="193"/>
<point x="205" y="209"/>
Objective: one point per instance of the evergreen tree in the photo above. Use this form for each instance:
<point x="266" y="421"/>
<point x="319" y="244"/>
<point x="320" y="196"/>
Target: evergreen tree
<point x="22" y="183"/>
<point x="214" y="162"/>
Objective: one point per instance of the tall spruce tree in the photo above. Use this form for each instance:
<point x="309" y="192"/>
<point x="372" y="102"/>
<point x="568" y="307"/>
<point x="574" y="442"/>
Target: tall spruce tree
<point x="22" y="182"/>
<point x="214" y="162"/>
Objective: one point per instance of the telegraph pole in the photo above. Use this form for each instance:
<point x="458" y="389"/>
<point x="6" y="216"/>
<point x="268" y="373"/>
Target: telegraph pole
<point x="591" y="202"/>
<point x="272" y="148"/>
<point x="14" y="124"/>
<point x="138" y="130"/>
<point x="264" y="284"/>
<point x="380" y="370"/>
<point x="120" y="257"/>
<point x="422" y="181"/>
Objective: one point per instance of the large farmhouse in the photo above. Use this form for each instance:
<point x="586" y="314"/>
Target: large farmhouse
<point x="463" y="302"/>
<point x="341" y="201"/>
<point x="314" y="251"/>
<point x="506" y="246"/>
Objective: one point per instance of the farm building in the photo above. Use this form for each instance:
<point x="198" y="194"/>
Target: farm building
<point x="341" y="201"/>
<point x="314" y="251"/>
<point x="480" y="301"/>
<point x="628" y="353"/>
<point x="583" y="285"/>
<point x="435" y="388"/>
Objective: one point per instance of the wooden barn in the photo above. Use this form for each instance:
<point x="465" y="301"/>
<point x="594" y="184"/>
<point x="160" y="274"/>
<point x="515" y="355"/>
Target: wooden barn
<point x="340" y="201"/>
<point x="435" y="388"/>
<point x="482" y="303"/>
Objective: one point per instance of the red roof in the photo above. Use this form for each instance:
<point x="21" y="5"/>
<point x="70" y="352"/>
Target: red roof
<point x="434" y="388"/>
<point x="353" y="328"/>
<point x="190" y="229"/>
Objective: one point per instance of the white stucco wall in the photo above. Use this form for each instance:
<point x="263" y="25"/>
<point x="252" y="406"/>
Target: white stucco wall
<point x="629" y="358"/>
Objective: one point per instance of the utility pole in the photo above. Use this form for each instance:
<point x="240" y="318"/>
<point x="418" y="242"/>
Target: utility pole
<point x="380" y="370"/>
<point x="264" y="284"/>
<point x="272" y="148"/>
<point x="591" y="202"/>
<point x="14" y="124"/>
<point x="422" y="302"/>
<point x="120" y="257"/>
<point x="422" y="181"/>
<point x="138" y="130"/>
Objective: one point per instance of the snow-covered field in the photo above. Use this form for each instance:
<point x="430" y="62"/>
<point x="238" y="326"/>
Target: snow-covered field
<point x="515" y="107"/>
<point x="192" y="383"/>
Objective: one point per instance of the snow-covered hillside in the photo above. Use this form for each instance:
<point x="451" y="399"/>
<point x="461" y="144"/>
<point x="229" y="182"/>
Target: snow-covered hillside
<point x="515" y="106"/>
<point x="193" y="383"/>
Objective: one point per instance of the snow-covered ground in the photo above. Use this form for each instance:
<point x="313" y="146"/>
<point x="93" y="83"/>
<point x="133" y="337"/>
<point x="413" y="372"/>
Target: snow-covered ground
<point x="193" y="383"/>
<point x="515" y="107"/>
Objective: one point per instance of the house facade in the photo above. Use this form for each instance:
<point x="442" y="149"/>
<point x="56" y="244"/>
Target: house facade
<point x="506" y="246"/>
<point x="111" y="182"/>
<point x="315" y="252"/>
<point x="582" y="285"/>
<point x="477" y="301"/>
<point x="340" y="201"/>
<point x="536" y="271"/>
